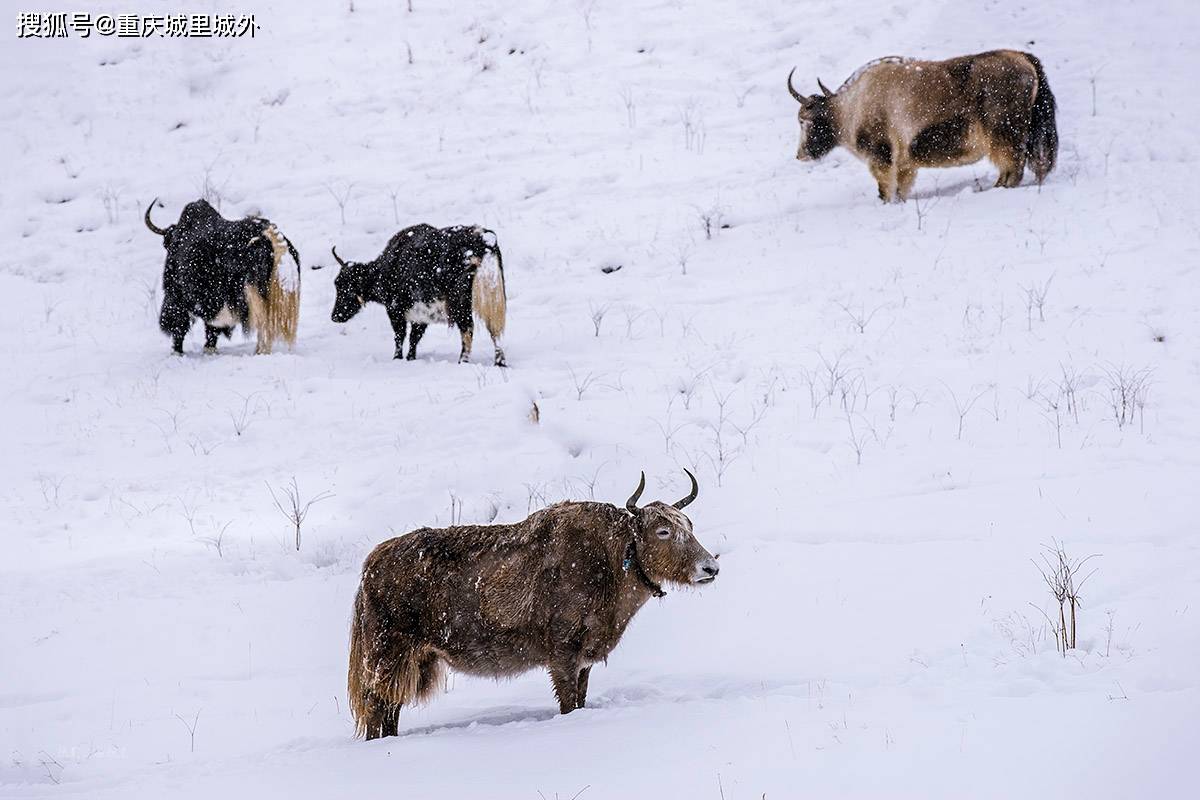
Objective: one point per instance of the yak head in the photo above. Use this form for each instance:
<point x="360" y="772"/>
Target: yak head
<point x="818" y="123"/>
<point x="664" y="545"/>
<point x="353" y="283"/>
<point x="166" y="233"/>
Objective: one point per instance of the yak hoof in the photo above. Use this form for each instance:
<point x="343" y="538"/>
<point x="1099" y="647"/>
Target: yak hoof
<point x="210" y="351"/>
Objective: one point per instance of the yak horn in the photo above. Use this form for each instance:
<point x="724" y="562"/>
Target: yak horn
<point x="631" y="503"/>
<point x="336" y="258"/>
<point x="695" y="491"/>
<point x="824" y="89"/>
<point x="150" y="224"/>
<point x="792" y="89"/>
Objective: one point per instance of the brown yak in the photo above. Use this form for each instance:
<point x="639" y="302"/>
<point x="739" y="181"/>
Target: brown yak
<point x="555" y="590"/>
<point x="899" y="114"/>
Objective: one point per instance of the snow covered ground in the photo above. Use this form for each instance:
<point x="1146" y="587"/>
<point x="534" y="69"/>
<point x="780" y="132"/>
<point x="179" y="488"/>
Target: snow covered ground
<point x="866" y="392"/>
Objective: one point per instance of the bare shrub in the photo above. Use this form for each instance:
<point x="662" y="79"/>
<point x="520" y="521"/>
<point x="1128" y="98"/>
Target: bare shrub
<point x="111" y="198"/>
<point x="293" y="508"/>
<point x="858" y="439"/>
<point x="712" y="219"/>
<point x="1035" y="297"/>
<point x="860" y="318"/>
<point x="1060" y="572"/>
<point x="630" y="106"/>
<point x="582" y="384"/>
<point x="597" y="314"/>
<point x="963" y="407"/>
<point x="341" y="197"/>
<point x="191" y="729"/>
<point x="1127" y="392"/>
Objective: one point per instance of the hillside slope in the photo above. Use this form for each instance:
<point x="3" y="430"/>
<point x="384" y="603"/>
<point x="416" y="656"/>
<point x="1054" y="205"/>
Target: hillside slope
<point x="891" y="409"/>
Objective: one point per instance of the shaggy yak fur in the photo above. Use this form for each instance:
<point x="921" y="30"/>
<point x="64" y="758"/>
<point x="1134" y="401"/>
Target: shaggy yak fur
<point x="227" y="273"/>
<point x="900" y="114"/>
<point x="556" y="591"/>
<point x="425" y="275"/>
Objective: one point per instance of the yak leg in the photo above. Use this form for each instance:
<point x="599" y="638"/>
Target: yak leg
<point x="1008" y="150"/>
<point x="906" y="175"/>
<point x="399" y="328"/>
<point x="380" y="718"/>
<point x="383" y="718"/>
<point x="565" y="677"/>
<point x="468" y="335"/>
<point x="210" y="338"/>
<point x="886" y="179"/>
<point x="1011" y="162"/>
<point x="500" y="362"/>
<point x="418" y="330"/>
<point x="581" y="687"/>
<point x="1008" y="130"/>
<point x="177" y="343"/>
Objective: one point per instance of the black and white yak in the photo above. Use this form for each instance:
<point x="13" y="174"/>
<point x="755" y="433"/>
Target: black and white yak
<point x="899" y="114"/>
<point x="425" y="275"/>
<point x="227" y="273"/>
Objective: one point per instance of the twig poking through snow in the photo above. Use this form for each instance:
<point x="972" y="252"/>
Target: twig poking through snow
<point x="296" y="510"/>
<point x="1059" y="572"/>
<point x="191" y="728"/>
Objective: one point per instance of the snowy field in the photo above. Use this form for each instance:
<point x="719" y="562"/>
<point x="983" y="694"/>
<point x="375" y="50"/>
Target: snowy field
<point x="891" y="409"/>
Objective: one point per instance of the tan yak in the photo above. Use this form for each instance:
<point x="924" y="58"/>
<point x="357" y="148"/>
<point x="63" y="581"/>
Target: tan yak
<point x="900" y="114"/>
<point x="555" y="590"/>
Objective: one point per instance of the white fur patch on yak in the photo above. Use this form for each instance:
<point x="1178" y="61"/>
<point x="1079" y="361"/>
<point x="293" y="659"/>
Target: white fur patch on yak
<point x="427" y="313"/>
<point x="225" y="318"/>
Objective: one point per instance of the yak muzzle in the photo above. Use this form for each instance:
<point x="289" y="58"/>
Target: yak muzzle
<point x="344" y="310"/>
<point x="706" y="571"/>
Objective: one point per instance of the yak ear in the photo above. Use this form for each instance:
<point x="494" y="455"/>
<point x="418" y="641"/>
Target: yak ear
<point x="317" y="266"/>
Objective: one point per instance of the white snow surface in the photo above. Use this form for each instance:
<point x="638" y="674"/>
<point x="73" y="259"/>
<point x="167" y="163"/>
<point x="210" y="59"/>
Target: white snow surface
<point x="879" y="628"/>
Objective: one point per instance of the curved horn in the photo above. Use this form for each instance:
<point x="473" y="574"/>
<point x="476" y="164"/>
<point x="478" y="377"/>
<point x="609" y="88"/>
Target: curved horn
<point x="150" y="224"/>
<point x="631" y="503"/>
<point x="695" y="491"/>
<point x="792" y="89"/>
<point x="824" y="89"/>
<point x="337" y="258"/>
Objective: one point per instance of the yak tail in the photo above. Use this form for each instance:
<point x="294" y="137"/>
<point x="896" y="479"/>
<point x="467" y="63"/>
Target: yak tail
<point x="488" y="298"/>
<point x="1041" y="148"/>
<point x="379" y="681"/>
<point x="277" y="315"/>
<point x="357" y="679"/>
<point x="295" y="255"/>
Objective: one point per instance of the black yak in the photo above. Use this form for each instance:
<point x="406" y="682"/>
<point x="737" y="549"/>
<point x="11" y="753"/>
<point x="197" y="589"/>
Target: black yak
<point x="427" y="274"/>
<point x="227" y="273"/>
<point x="899" y="114"/>
<point x="555" y="590"/>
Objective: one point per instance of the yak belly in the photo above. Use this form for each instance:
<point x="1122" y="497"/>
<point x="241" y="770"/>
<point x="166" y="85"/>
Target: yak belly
<point x="493" y="654"/>
<point x="956" y="141"/>
<point x="427" y="313"/>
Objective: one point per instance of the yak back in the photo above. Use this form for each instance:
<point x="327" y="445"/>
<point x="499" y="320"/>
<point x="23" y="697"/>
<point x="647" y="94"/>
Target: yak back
<point x="910" y="95"/>
<point x="210" y="259"/>
<point x="426" y="264"/>
<point x="500" y="598"/>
